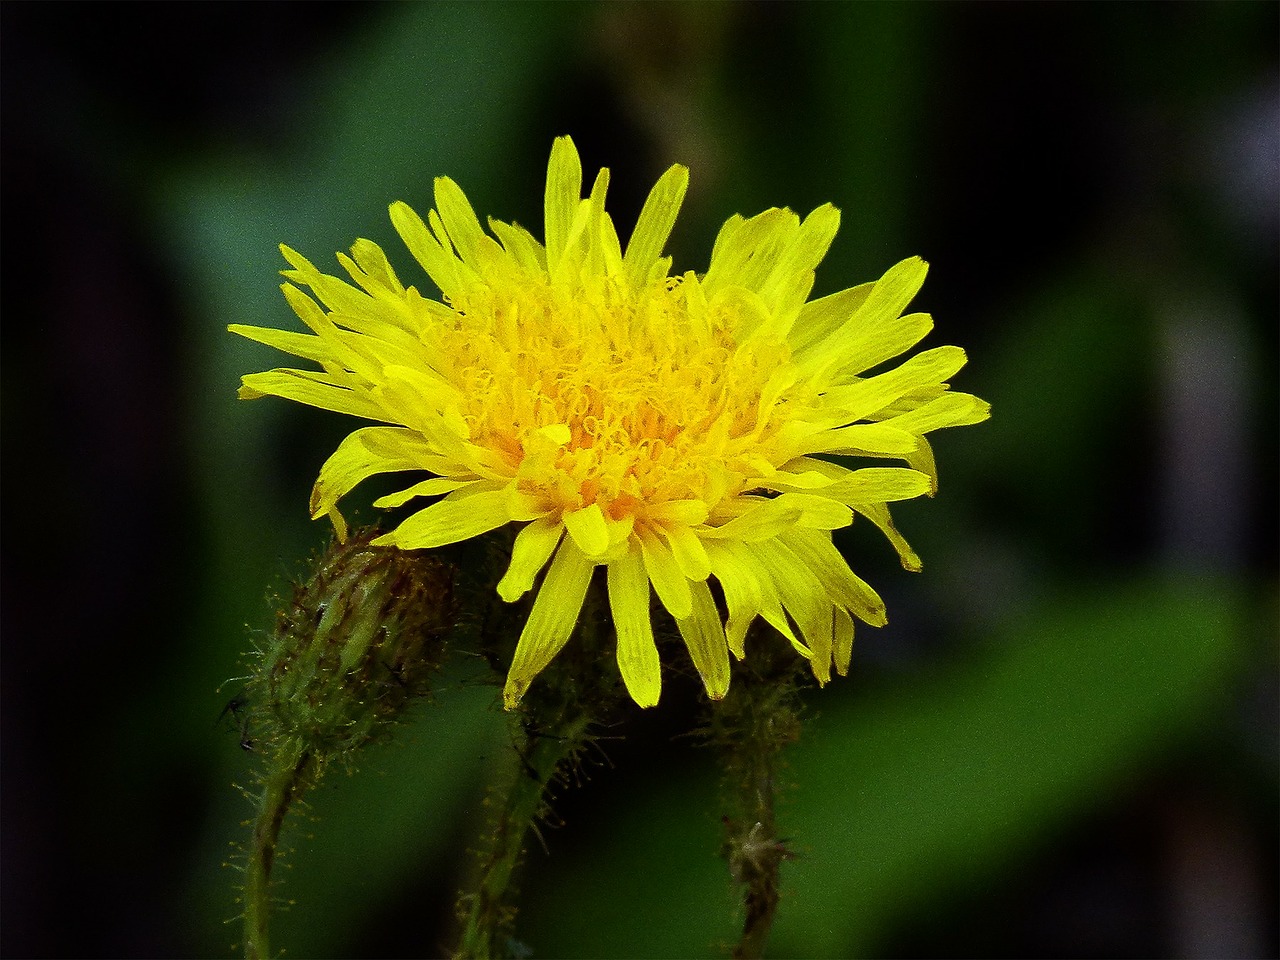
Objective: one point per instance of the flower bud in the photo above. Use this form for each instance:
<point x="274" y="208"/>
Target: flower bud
<point x="354" y="645"/>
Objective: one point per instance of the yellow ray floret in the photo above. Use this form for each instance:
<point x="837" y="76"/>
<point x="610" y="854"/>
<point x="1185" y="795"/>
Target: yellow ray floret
<point x="678" y="430"/>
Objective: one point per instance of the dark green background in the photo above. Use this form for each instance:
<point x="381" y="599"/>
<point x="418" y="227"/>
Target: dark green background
<point x="1065" y="742"/>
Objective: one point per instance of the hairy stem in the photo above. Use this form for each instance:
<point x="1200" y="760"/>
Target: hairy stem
<point x="548" y="732"/>
<point x="280" y="785"/>
<point x="760" y="855"/>
<point x="751" y="727"/>
<point x="535" y="764"/>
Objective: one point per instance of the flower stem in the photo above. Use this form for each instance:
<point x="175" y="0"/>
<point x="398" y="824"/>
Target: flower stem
<point x="761" y="856"/>
<point x="758" y="718"/>
<point x="280" y="785"/>
<point x="548" y="733"/>
<point x="535" y="763"/>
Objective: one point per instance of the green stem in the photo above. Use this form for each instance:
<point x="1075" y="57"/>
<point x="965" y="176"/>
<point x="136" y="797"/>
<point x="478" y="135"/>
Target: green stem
<point x="753" y="724"/>
<point x="487" y="913"/>
<point x="280" y="785"/>
<point x="548" y="732"/>
<point x="758" y="867"/>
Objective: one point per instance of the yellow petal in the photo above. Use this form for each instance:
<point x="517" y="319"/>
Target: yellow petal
<point x="842" y="648"/>
<point x="761" y="521"/>
<point x="704" y="636"/>
<point x="880" y="484"/>
<point x="874" y="332"/>
<point x="806" y="473"/>
<point x="588" y="529"/>
<point x="603" y="252"/>
<point x="465" y="232"/>
<point x="522" y="506"/>
<point x="878" y="438"/>
<point x="669" y="581"/>
<point x="654" y="224"/>
<point x="558" y="433"/>
<point x="801" y="594"/>
<point x="339" y="524"/>
<point x="460" y="516"/>
<point x="948" y="410"/>
<point x="308" y="311"/>
<point x="387" y="290"/>
<point x="620" y="530"/>
<point x="741" y="590"/>
<point x="813" y="552"/>
<point x="813" y="240"/>
<point x="551" y="621"/>
<point x="299" y="344"/>
<point x="791" y="281"/>
<point x="819" y="319"/>
<point x="314" y="389"/>
<point x="878" y="513"/>
<point x="766" y="519"/>
<point x="746" y="251"/>
<point x="427" y="488"/>
<point x="687" y="512"/>
<point x="687" y="548"/>
<point x="897" y="288"/>
<point x="338" y="296"/>
<point x="437" y="259"/>
<point x="637" y="654"/>
<point x="533" y="546"/>
<point x="564" y="190"/>
<point x="818" y="512"/>
<point x="362" y="454"/>
<point x="922" y="459"/>
<point x="858" y="400"/>
<point x="521" y="246"/>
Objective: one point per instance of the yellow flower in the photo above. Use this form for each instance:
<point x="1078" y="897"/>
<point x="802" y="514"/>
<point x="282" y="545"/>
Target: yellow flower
<point x="673" y="429"/>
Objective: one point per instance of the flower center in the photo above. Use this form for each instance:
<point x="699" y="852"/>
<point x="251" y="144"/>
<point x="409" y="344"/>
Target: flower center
<point x="594" y="393"/>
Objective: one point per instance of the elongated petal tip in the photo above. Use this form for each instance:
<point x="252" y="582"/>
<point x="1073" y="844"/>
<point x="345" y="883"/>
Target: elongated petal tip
<point x="339" y="524"/>
<point x="513" y="692"/>
<point x="317" y="500"/>
<point x="644" y="689"/>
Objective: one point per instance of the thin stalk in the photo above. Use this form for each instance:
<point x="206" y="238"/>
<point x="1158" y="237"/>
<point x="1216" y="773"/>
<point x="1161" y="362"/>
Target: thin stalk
<point x="548" y="733"/>
<point x="761" y="855"/>
<point x="751" y="727"/>
<point x="533" y="768"/>
<point x="280" y="786"/>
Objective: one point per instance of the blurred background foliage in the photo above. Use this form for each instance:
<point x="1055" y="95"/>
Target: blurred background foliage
<point x="1064" y="744"/>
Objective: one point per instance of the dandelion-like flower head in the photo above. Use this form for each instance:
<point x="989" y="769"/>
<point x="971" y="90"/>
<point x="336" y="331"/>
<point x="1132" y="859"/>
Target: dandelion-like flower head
<point x="677" y="430"/>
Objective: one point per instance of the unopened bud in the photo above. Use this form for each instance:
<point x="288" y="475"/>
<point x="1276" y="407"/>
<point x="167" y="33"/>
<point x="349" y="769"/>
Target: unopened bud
<point x="352" y="648"/>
